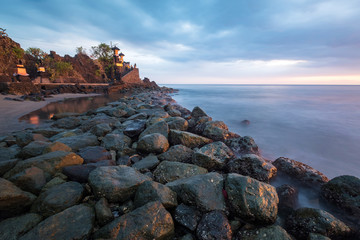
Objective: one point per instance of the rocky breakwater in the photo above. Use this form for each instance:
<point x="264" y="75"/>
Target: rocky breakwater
<point x="144" y="167"/>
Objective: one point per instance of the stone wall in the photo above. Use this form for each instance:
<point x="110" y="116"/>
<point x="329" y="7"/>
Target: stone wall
<point x="132" y="77"/>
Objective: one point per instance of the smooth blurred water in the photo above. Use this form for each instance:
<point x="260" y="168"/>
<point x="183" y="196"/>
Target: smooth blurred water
<point x="317" y="125"/>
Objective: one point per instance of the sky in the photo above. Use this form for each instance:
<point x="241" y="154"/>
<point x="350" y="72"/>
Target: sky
<point x="203" y="41"/>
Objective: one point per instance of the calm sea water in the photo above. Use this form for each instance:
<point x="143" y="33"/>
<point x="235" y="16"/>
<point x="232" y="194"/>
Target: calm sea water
<point x="317" y="125"/>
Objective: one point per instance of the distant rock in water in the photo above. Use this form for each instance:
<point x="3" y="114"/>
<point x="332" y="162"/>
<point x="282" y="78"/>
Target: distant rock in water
<point x="245" y="122"/>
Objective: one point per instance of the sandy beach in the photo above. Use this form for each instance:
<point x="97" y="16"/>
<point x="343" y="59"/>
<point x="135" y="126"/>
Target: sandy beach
<point x="11" y="111"/>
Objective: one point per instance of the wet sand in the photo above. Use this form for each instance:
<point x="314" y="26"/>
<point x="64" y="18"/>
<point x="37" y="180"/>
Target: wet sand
<point x="11" y="111"/>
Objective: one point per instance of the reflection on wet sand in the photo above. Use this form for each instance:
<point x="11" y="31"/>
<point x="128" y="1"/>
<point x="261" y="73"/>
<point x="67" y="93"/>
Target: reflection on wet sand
<point x="74" y="105"/>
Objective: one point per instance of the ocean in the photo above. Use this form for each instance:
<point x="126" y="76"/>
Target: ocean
<point x="316" y="125"/>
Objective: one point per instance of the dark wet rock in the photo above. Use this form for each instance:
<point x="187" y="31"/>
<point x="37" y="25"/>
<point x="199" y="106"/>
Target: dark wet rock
<point x="270" y="232"/>
<point x="212" y="156"/>
<point x="33" y="149"/>
<point x="94" y="154"/>
<point x="188" y="236"/>
<point x="12" y="198"/>
<point x="135" y="128"/>
<point x="253" y="166"/>
<point x="153" y="143"/>
<point x="304" y="221"/>
<point x="112" y="111"/>
<point x="197" y="125"/>
<point x="300" y="171"/>
<point x="6" y="165"/>
<point x="48" y="132"/>
<point x="150" y="162"/>
<point x="214" y="226"/>
<point x="116" y="184"/>
<point x="23" y="138"/>
<point x="101" y="129"/>
<point x="203" y="191"/>
<point x="150" y="221"/>
<point x="67" y="123"/>
<point x="58" y="198"/>
<point x="243" y="145"/>
<point x="58" y="226"/>
<point x="56" y="146"/>
<point x="187" y="139"/>
<point x="253" y="201"/>
<point x="216" y="130"/>
<point x="197" y="112"/>
<point x="174" y="113"/>
<point x="103" y="212"/>
<point x="170" y="171"/>
<point x="344" y="192"/>
<point x="288" y="198"/>
<point x="177" y="153"/>
<point x="31" y="180"/>
<point x="138" y="116"/>
<point x="7" y="153"/>
<point x="65" y="134"/>
<point x="177" y="123"/>
<point x="98" y="119"/>
<point x="13" y="228"/>
<point x="245" y="122"/>
<point x="116" y="141"/>
<point x="53" y="182"/>
<point x="80" y="141"/>
<point x="187" y="216"/>
<point x="158" y="127"/>
<point x="50" y="162"/>
<point x="316" y="236"/>
<point x="150" y="191"/>
<point x="78" y="173"/>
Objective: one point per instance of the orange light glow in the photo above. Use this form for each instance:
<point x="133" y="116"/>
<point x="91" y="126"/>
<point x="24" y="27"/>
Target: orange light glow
<point x="34" y="120"/>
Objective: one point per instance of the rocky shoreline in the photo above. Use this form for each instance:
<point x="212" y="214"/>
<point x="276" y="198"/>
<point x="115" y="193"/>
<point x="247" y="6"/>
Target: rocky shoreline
<point x="144" y="167"/>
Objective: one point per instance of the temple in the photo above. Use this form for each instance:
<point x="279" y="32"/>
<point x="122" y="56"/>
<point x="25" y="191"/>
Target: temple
<point x="123" y="71"/>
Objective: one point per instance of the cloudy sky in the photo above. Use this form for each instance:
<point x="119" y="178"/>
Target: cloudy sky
<point x="203" y="41"/>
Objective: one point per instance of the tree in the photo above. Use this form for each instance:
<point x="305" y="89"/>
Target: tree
<point x="103" y="53"/>
<point x="37" y="53"/>
<point x="81" y="50"/>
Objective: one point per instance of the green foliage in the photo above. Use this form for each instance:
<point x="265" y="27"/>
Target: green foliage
<point x="97" y="73"/>
<point x="103" y="53"/>
<point x="3" y="32"/>
<point x="81" y="50"/>
<point x="63" y="68"/>
<point x="18" y="52"/>
<point x="37" y="53"/>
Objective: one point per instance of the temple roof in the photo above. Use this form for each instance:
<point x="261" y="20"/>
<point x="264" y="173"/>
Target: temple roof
<point x="115" y="48"/>
<point x="121" y="54"/>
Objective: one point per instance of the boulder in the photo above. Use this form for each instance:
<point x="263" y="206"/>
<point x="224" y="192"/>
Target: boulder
<point x="112" y="111"/>
<point x="116" y="141"/>
<point x="80" y="141"/>
<point x="50" y="162"/>
<point x="53" y="182"/>
<point x="158" y="127"/>
<point x="78" y="173"/>
<point x="103" y="212"/>
<point x="253" y="166"/>
<point x="67" y="123"/>
<point x="58" y="226"/>
<point x="23" y="138"/>
<point x="94" y="154"/>
<point x="177" y="123"/>
<point x="31" y="180"/>
<point x="58" y="198"/>
<point x="300" y="171"/>
<point x="288" y="198"/>
<point x="243" y="145"/>
<point x="177" y="153"/>
<point x="344" y="192"/>
<point x="174" y="113"/>
<point x="316" y="236"/>
<point x="216" y="130"/>
<point x="148" y="163"/>
<point x="150" y="221"/>
<point x="212" y="156"/>
<point x="13" y="228"/>
<point x="116" y="184"/>
<point x="134" y="128"/>
<point x="187" y="216"/>
<point x="66" y="134"/>
<point x="150" y="191"/>
<point x="12" y="198"/>
<point x="138" y="116"/>
<point x="214" y="225"/>
<point x="6" y="165"/>
<point x="187" y="139"/>
<point x="33" y="149"/>
<point x="270" y="232"/>
<point x="101" y="129"/>
<point x="48" y="132"/>
<point x="203" y="191"/>
<point x="197" y="112"/>
<point x="170" y="171"/>
<point x="7" y="153"/>
<point x="153" y="143"/>
<point x="98" y="119"/>
<point x="253" y="201"/>
<point x="56" y="146"/>
<point x="304" y="221"/>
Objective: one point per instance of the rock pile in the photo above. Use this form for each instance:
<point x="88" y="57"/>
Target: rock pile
<point x="144" y="167"/>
